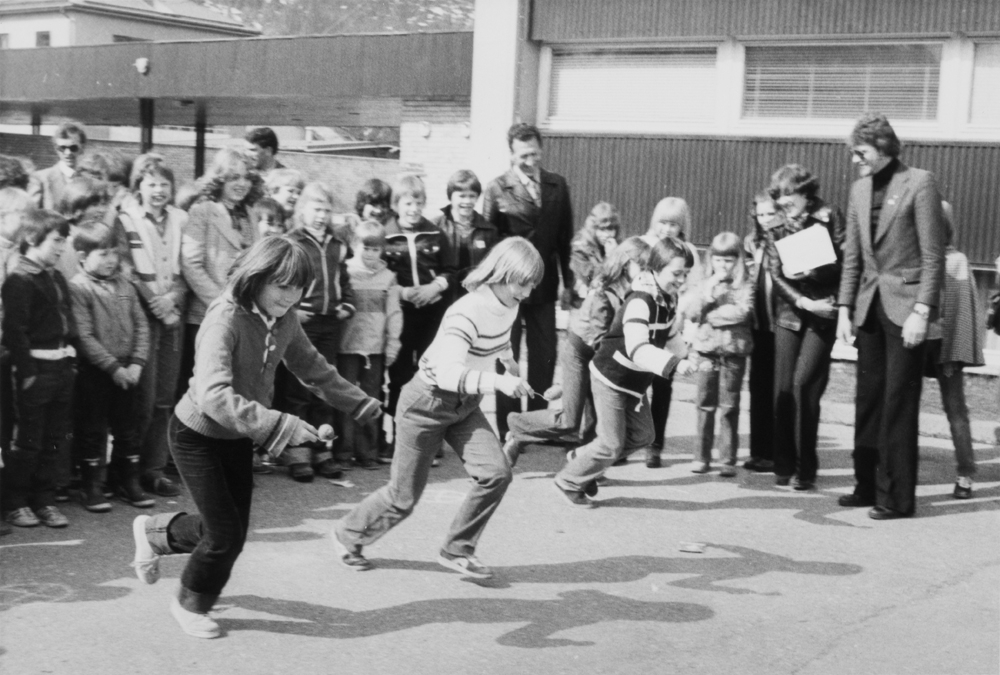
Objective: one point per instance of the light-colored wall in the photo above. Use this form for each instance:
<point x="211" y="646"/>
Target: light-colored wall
<point x="95" y="29"/>
<point x="434" y="142"/>
<point x="21" y="29"/>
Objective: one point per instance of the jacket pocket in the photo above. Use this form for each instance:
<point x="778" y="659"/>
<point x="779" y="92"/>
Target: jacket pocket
<point x="911" y="275"/>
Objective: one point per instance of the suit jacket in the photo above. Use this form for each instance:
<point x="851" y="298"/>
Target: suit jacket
<point x="903" y="258"/>
<point x="209" y="247"/>
<point x="47" y="190"/>
<point x="508" y="205"/>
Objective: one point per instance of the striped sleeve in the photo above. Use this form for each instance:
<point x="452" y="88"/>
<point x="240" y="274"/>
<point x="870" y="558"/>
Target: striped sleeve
<point x="636" y="324"/>
<point x="444" y="363"/>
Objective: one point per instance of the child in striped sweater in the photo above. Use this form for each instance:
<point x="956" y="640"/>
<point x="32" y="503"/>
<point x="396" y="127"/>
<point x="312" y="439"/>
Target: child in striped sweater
<point x="441" y="403"/>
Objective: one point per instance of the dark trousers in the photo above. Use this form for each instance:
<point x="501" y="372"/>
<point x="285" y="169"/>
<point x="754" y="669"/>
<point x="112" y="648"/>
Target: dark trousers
<point x="542" y="343"/>
<point x="190" y="333"/>
<point x="420" y="325"/>
<point x="887" y="415"/>
<point x="761" y="389"/>
<point x="324" y="333"/>
<point x="44" y="420"/>
<point x="156" y="395"/>
<point x="801" y="373"/>
<point x="7" y="413"/>
<point x="102" y="405"/>
<point x="219" y="476"/>
<point x="659" y="407"/>
<point x="366" y="371"/>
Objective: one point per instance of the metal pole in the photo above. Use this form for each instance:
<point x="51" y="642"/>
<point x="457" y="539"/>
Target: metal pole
<point x="199" y="140"/>
<point x="146" y="124"/>
<point x="36" y="123"/>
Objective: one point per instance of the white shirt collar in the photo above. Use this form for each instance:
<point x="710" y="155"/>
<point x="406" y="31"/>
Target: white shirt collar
<point x="268" y="320"/>
<point x="66" y="171"/>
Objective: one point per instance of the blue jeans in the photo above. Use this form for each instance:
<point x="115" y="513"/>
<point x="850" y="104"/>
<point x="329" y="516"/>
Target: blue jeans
<point x="218" y="474"/>
<point x="157" y="394"/>
<point x="719" y="389"/>
<point x="624" y="424"/>
<point x="574" y="423"/>
<point x="44" y="420"/>
<point x="426" y="417"/>
<point x="951" y="380"/>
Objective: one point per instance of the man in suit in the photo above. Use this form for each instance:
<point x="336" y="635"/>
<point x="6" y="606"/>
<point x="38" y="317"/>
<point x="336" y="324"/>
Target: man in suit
<point x="528" y="201"/>
<point x="892" y="277"/>
<point x="69" y="141"/>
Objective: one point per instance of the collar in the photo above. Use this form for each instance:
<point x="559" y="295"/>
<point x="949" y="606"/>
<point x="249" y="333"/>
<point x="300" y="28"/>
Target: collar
<point x="30" y="266"/>
<point x="525" y="178"/>
<point x="66" y="171"/>
<point x="327" y="234"/>
<point x="885" y="174"/>
<point x="269" y="321"/>
<point x="148" y="215"/>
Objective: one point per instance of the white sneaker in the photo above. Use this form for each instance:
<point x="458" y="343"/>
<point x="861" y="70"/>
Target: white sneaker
<point x="194" y="624"/>
<point x="146" y="562"/>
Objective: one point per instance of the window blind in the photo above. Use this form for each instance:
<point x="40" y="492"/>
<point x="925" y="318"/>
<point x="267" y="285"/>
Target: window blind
<point x="842" y="81"/>
<point x="636" y="86"/>
<point x="985" y="107"/>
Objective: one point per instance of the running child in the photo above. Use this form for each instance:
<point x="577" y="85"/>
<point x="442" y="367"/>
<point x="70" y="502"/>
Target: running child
<point x="442" y="403"/>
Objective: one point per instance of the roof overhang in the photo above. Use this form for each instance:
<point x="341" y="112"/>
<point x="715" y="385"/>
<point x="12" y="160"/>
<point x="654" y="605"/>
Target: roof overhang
<point x="349" y="80"/>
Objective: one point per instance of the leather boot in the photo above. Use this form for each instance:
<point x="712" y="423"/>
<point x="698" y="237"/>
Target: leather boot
<point x="129" y="490"/>
<point x="92" y="487"/>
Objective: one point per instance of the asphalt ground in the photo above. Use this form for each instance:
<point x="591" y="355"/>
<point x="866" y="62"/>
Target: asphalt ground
<point x="788" y="582"/>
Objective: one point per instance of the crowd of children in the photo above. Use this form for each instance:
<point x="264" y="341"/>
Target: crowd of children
<point x="245" y="312"/>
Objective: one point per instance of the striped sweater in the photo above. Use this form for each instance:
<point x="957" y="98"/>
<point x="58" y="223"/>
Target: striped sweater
<point x="474" y="333"/>
<point x="643" y="340"/>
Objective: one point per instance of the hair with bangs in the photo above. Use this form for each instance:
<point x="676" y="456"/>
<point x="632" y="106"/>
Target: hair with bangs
<point x="874" y="129"/>
<point x="13" y="173"/>
<point x="601" y="211"/>
<point x="279" y="178"/>
<point x="408" y="185"/>
<point x="616" y="265"/>
<point x="150" y="164"/>
<point x="794" y="179"/>
<point x="94" y="235"/>
<point x="464" y="180"/>
<point x="227" y="163"/>
<point x="37" y="224"/>
<point x="728" y="245"/>
<point x="370" y="233"/>
<point x="312" y="192"/>
<point x="110" y="166"/>
<point x="375" y="192"/>
<point x="677" y="211"/>
<point x="513" y="261"/>
<point x="272" y="260"/>
<point x="666" y="250"/>
<point x="82" y="193"/>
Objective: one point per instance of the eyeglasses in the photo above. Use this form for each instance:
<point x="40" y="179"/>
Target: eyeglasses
<point x="68" y="148"/>
<point x="607" y="227"/>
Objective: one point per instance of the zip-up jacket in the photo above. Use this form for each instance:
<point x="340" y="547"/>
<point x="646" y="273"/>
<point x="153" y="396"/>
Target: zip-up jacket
<point x="467" y="244"/>
<point x="37" y="314"/>
<point x="378" y="322"/>
<point x="330" y="289"/>
<point x="419" y="255"/>
<point x="113" y="329"/>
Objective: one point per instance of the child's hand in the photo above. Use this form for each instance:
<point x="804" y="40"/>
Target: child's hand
<point x="514" y="386"/>
<point x="511" y="367"/>
<point x="424" y="295"/>
<point x="686" y="367"/>
<point x="134" y="373"/>
<point x="28" y="381"/>
<point x="304" y="433"/>
<point x="553" y="392"/>
<point x="162" y="307"/>
<point x="343" y="313"/>
<point x="304" y="316"/>
<point x="121" y="379"/>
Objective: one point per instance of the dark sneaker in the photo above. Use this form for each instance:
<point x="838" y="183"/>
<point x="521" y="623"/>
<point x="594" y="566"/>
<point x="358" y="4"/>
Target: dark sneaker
<point x="782" y="480"/>
<point x="466" y="565"/>
<point x="802" y="485"/>
<point x="22" y="517"/>
<point x="93" y="499"/>
<point x="130" y="493"/>
<point x="512" y="449"/>
<point x="165" y="487"/>
<point x="258" y="464"/>
<point x="329" y="468"/>
<point x="756" y="464"/>
<point x="62" y="494"/>
<point x="573" y="497"/>
<point x="653" y="458"/>
<point x="701" y="467"/>
<point x="855" y="500"/>
<point x="49" y="516"/>
<point x="366" y="463"/>
<point x="301" y="472"/>
<point x="146" y="563"/>
<point x="727" y="470"/>
<point x="350" y="559"/>
<point x="963" y="488"/>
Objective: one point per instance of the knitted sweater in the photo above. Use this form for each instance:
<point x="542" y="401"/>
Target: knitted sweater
<point x="723" y="316"/>
<point x="155" y="259"/>
<point x="474" y="333"/>
<point x="236" y="354"/>
<point x="378" y="321"/>
<point x="113" y="329"/>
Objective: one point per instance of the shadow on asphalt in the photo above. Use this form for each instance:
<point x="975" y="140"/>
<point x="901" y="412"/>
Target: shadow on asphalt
<point x="542" y="618"/>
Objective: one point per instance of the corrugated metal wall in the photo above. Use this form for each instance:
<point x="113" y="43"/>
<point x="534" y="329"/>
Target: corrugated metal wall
<point x="562" y="20"/>
<point x="718" y="177"/>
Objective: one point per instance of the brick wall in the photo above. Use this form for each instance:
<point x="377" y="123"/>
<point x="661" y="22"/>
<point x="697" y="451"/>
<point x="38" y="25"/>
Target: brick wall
<point x="434" y="142"/>
<point x="344" y="175"/>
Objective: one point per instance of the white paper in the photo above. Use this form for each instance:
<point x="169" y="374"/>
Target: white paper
<point x="806" y="250"/>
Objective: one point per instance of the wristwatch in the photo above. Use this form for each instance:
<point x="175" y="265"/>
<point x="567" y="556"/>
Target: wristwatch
<point x="922" y="312"/>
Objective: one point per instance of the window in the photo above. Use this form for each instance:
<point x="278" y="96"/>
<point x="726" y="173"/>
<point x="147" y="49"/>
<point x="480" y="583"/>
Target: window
<point x="842" y="81"/>
<point x="618" y="88"/>
<point x="42" y="38"/>
<point x="985" y="107"/>
<point x="4" y="41"/>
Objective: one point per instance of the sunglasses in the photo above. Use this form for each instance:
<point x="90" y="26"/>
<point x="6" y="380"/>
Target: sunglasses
<point x="69" y="148"/>
<point x="607" y="227"/>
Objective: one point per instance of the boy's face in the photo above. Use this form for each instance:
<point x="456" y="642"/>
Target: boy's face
<point x="48" y="251"/>
<point x="673" y="276"/>
<point x="371" y="255"/>
<point x="410" y="210"/>
<point x="375" y="212"/>
<point x="316" y="215"/>
<point x="101" y="262"/>
<point x="463" y="202"/>
<point x="723" y="266"/>
<point x="155" y="191"/>
<point x="258" y="154"/>
<point x="69" y="149"/>
<point x="268" y="226"/>
<point x="287" y="196"/>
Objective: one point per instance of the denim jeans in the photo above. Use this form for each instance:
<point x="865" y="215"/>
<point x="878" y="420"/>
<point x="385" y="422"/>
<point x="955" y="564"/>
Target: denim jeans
<point x="426" y="417"/>
<point x="218" y="474"/>
<point x="801" y="373"/>
<point x="156" y="396"/>
<point x="719" y="389"/>
<point x="102" y="405"/>
<point x="574" y="423"/>
<point x="624" y="424"/>
<point x="44" y="421"/>
<point x="951" y="380"/>
<point x="368" y="372"/>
